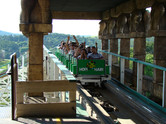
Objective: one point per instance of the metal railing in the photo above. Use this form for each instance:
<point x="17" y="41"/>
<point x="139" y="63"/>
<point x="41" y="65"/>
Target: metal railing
<point x="5" y="79"/>
<point x="139" y="72"/>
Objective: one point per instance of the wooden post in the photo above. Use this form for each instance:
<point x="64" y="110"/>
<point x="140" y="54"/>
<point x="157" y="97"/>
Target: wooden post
<point x="36" y="34"/>
<point x="139" y="53"/>
<point x="35" y="22"/>
<point x="105" y="47"/>
<point x="114" y="49"/>
<point x="125" y="49"/>
<point x="35" y="56"/>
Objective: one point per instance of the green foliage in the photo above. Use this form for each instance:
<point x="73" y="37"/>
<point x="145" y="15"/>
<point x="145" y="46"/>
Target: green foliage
<point x="149" y="58"/>
<point x="147" y="69"/>
<point x="149" y="55"/>
<point x="4" y="65"/>
<point x="19" y="43"/>
<point x="4" y="61"/>
<point x="150" y="47"/>
<point x="23" y="49"/>
<point x="12" y="43"/>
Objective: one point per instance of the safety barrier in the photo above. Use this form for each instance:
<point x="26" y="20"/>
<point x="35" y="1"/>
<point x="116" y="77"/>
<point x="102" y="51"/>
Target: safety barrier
<point x="5" y="79"/>
<point x="139" y="72"/>
<point x="50" y="103"/>
<point x="27" y="106"/>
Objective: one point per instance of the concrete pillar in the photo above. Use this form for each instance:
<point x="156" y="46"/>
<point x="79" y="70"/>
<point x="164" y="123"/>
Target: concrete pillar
<point x="139" y="52"/>
<point x="114" y="49"/>
<point x="115" y="67"/>
<point x="158" y="26"/>
<point x="35" y="56"/>
<point x="35" y="22"/>
<point x="159" y="59"/>
<point x="105" y="47"/>
<point x="35" y="71"/>
<point x="35" y="33"/>
<point x="125" y="49"/>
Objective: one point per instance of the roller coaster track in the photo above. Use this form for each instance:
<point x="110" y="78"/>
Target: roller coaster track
<point x="144" y="108"/>
<point x="125" y="105"/>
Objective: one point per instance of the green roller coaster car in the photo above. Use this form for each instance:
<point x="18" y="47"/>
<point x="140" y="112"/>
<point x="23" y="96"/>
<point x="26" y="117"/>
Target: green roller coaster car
<point x="94" y="71"/>
<point x="91" y="67"/>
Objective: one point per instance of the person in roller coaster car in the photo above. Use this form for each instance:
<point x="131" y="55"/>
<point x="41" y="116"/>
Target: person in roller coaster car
<point x="83" y="52"/>
<point x="71" y="46"/>
<point x="88" y="49"/>
<point x="94" y="54"/>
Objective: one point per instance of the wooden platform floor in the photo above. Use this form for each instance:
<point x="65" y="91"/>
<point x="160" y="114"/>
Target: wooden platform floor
<point x="49" y="121"/>
<point x="82" y="118"/>
<point x="5" y="112"/>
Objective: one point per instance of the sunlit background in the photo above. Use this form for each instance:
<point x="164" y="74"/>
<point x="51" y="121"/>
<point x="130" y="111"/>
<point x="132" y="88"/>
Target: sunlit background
<point x="10" y="17"/>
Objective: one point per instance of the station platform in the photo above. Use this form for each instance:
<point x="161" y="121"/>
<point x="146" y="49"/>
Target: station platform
<point x="82" y="117"/>
<point x="49" y="121"/>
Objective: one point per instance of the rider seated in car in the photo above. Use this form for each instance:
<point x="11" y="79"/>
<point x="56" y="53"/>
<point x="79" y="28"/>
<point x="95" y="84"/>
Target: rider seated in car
<point x="94" y="54"/>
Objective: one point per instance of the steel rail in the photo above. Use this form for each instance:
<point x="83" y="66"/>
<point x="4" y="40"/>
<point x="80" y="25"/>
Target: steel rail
<point x="103" y="115"/>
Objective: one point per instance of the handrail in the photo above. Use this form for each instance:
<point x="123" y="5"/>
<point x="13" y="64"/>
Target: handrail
<point x="139" y="72"/>
<point x="8" y="72"/>
<point x="134" y="60"/>
<point x="59" y="65"/>
<point x="2" y="75"/>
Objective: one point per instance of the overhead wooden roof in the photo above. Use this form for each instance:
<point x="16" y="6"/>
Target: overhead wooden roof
<point x="81" y="9"/>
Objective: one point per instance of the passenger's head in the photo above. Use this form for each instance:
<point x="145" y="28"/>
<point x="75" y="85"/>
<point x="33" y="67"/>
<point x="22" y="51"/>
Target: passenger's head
<point x="63" y="45"/>
<point x="84" y="51"/>
<point x="88" y="49"/>
<point x="81" y="46"/>
<point x="72" y="45"/>
<point x="93" y="50"/>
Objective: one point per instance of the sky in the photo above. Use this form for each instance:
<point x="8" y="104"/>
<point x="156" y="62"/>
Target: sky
<point x="10" y="18"/>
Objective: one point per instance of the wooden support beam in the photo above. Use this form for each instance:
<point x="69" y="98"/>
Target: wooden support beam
<point x="142" y="4"/>
<point x="45" y="86"/>
<point x="131" y="5"/>
<point x="45" y="28"/>
<point x="76" y="15"/>
<point x="46" y="110"/>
